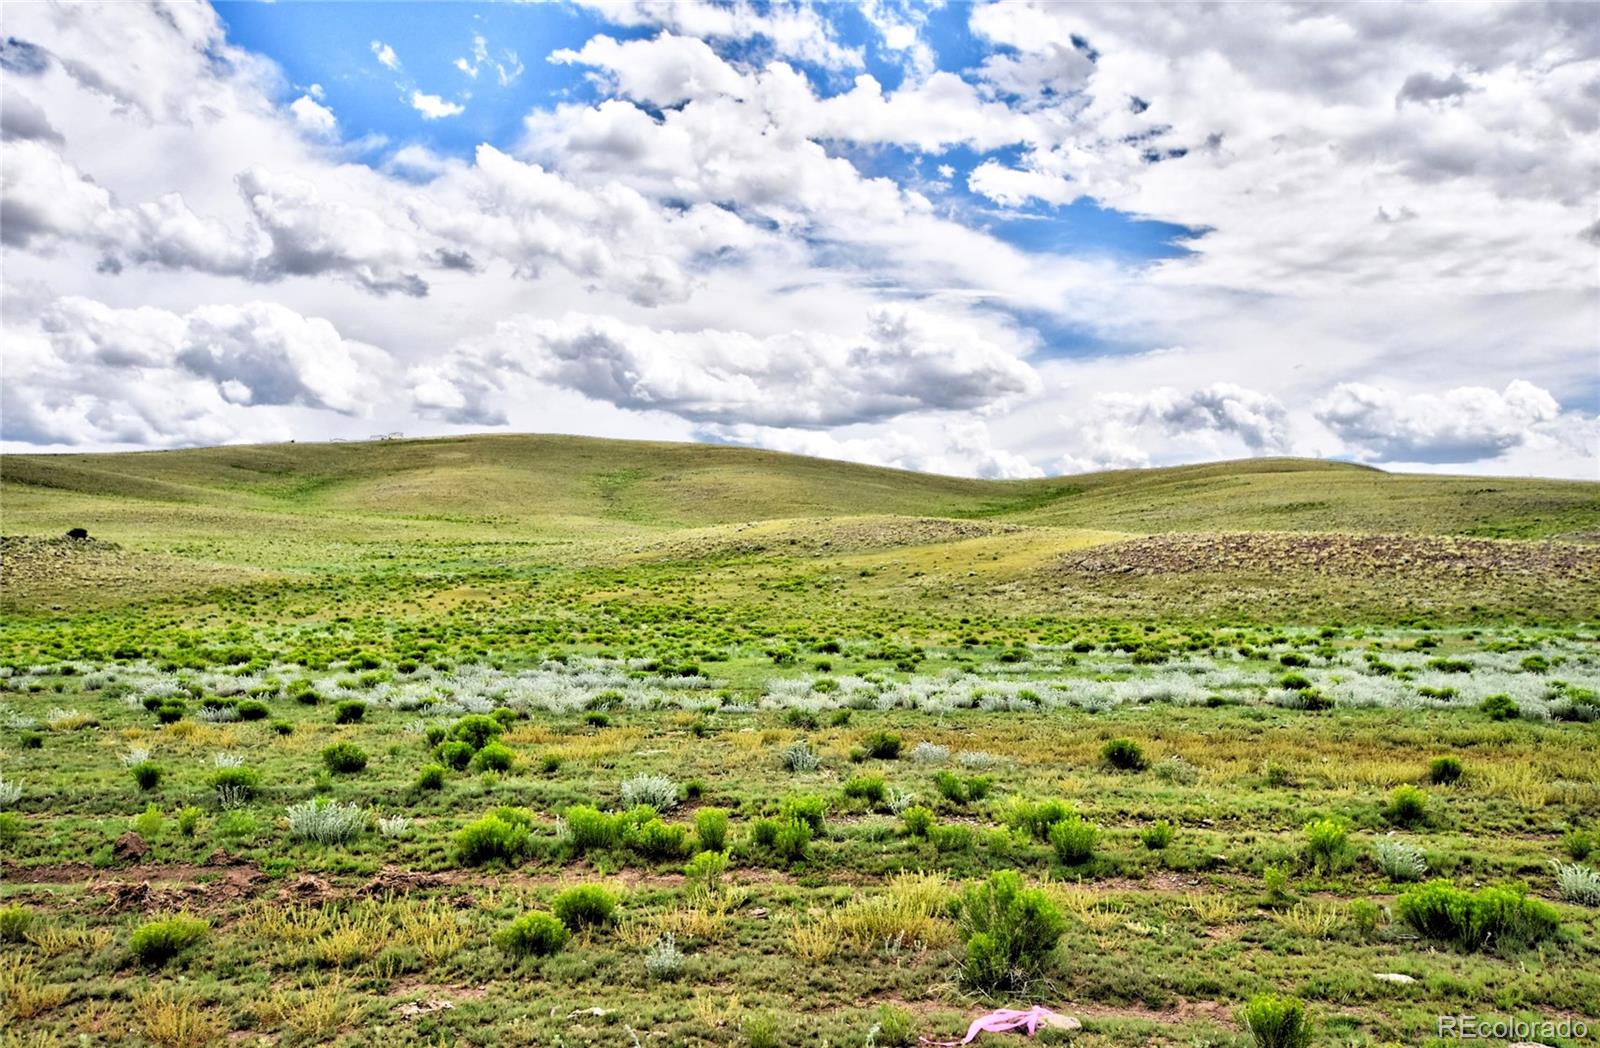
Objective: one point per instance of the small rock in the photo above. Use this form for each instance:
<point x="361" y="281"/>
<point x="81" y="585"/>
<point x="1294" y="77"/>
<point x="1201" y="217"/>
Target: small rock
<point x="1393" y="977"/>
<point x="412" y="1009"/>
<point x="130" y="847"/>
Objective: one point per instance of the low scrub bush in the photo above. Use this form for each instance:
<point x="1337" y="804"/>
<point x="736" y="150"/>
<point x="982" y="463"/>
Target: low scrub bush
<point x="590" y="829"/>
<point x="326" y="821"/>
<point x="1157" y="835"/>
<point x="454" y="754"/>
<point x="495" y="756"/>
<point x="664" y="961"/>
<point x="147" y="774"/>
<point x="476" y="730"/>
<point x="658" y="791"/>
<point x="1444" y="770"/>
<point x="1074" y="839"/>
<point x="1036" y="817"/>
<point x="1500" y="708"/>
<point x="253" y="710"/>
<point x="809" y="808"/>
<point x="533" y="935"/>
<point x="1398" y="860"/>
<point x="157" y="942"/>
<point x="1124" y="755"/>
<point x="1009" y="932"/>
<point x="344" y="758"/>
<point x="917" y="821"/>
<point x="505" y="834"/>
<point x="1407" y="806"/>
<point x="792" y="840"/>
<point x="654" y="839"/>
<point x="1327" y="845"/>
<point x="711" y="829"/>
<point x="243" y="783"/>
<point x="1490" y="918"/>
<point x="798" y="756"/>
<point x="15" y="920"/>
<point x="1276" y="1021"/>
<point x="351" y="711"/>
<point x="430" y="777"/>
<point x="584" y="906"/>
<point x="882" y="745"/>
<point x="870" y="788"/>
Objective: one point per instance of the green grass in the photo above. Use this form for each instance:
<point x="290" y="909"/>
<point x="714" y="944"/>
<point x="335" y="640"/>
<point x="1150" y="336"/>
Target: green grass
<point x="588" y="613"/>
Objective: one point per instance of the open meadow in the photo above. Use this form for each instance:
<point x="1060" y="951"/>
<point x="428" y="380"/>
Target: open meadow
<point x="557" y="741"/>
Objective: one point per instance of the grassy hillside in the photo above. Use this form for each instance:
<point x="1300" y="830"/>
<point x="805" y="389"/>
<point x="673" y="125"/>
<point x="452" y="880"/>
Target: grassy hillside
<point x="576" y="540"/>
<point x="574" y="484"/>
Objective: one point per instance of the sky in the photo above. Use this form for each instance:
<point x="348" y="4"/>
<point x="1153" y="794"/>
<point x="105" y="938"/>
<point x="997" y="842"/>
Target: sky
<point x="996" y="239"/>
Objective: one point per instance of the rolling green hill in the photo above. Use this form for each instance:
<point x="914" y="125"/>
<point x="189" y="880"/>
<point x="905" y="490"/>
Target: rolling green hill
<point x="426" y="523"/>
<point x="573" y="484"/>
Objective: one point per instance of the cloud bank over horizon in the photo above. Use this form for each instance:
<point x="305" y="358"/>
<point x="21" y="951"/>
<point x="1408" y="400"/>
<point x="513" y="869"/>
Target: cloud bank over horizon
<point x="1000" y="240"/>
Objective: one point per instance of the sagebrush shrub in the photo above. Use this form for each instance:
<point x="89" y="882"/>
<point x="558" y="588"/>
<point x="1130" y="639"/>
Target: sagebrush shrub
<point x="584" y="906"/>
<point x="798" y="756"/>
<point x="664" y="961"/>
<point x="1009" y="931"/>
<point x="1276" y="1022"/>
<point x="157" y="942"/>
<point x="1398" y="860"/>
<point x="658" y="791"/>
<point x="326" y="821"/>
<point x="533" y="935"/>
<point x="1577" y="883"/>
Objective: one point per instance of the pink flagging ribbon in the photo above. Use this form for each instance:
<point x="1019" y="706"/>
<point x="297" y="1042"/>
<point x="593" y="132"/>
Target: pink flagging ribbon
<point x="1001" y="1021"/>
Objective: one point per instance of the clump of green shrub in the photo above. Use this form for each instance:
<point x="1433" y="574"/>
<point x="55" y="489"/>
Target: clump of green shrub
<point x="1009" y="932"/>
<point x="1276" y="1021"/>
<point x="792" y="839"/>
<point x="253" y="710"/>
<point x="1036" y="817"/>
<point x="495" y="756"/>
<point x="809" y="808"/>
<point x="15" y="920"/>
<point x="505" y="834"/>
<point x="590" y="829"/>
<point x="533" y="935"/>
<point x="1500" y="708"/>
<point x="476" y="730"/>
<point x="870" y="788"/>
<point x="344" y="758"/>
<point x="654" y="839"/>
<point x="711" y="829"/>
<point x="350" y="711"/>
<point x="1327" y="845"/>
<point x="917" y="821"/>
<point x="242" y="783"/>
<point x="1490" y="918"/>
<point x="1074" y="839"/>
<point x="1407" y="806"/>
<point x="147" y="774"/>
<point x="157" y="942"/>
<point x="882" y="745"/>
<point x="584" y="906"/>
<point x="430" y="777"/>
<point x="1157" y="835"/>
<point x="1444" y="770"/>
<point x="1124" y="755"/>
<point x="453" y="754"/>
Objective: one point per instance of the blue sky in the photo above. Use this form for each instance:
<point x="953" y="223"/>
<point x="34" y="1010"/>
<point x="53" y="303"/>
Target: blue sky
<point x="993" y="239"/>
<point x="330" y="45"/>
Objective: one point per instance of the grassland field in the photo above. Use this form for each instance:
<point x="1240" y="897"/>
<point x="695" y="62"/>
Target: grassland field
<point x="546" y="740"/>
